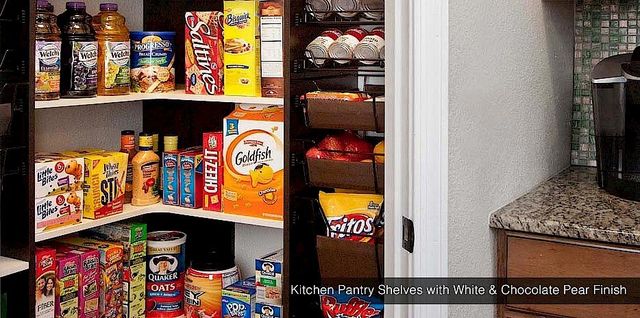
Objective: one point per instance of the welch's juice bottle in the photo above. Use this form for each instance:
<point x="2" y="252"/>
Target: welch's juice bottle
<point x="48" y="45"/>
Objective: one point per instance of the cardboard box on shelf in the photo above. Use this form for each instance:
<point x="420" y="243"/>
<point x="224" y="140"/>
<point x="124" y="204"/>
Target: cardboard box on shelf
<point x="238" y="300"/>
<point x="212" y="170"/>
<point x="267" y="311"/>
<point x="191" y="178"/>
<point x="254" y="162"/>
<point x="105" y="176"/>
<point x="171" y="178"/>
<point x="88" y="279"/>
<point x="269" y="278"/>
<point x="45" y="270"/>
<point x="56" y="173"/>
<point x="204" y="52"/>
<point x="242" y="48"/>
<point x="58" y="210"/>
<point x="271" y="49"/>
<point x="67" y="278"/>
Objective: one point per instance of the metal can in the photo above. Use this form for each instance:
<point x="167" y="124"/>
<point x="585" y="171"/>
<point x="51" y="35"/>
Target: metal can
<point x="341" y="50"/>
<point x="152" y="60"/>
<point x="165" y="274"/>
<point x="371" y="47"/>
<point x="318" y="50"/>
<point x="347" y="8"/>
<point x="372" y="9"/>
<point x="205" y="279"/>
<point x="319" y="9"/>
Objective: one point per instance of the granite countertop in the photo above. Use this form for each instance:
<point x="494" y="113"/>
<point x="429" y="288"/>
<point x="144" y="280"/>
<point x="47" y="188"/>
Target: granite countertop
<point x="572" y="205"/>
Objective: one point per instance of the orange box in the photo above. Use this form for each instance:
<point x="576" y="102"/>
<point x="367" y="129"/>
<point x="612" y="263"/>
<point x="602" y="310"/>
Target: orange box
<point x="254" y="162"/>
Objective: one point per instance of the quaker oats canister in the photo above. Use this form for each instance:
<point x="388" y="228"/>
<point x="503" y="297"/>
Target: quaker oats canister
<point x="165" y="274"/>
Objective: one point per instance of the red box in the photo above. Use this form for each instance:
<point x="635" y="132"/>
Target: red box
<point x="212" y="170"/>
<point x="204" y="53"/>
<point x="45" y="282"/>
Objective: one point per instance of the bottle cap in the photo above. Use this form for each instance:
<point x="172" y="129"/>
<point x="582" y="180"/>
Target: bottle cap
<point x="108" y="7"/>
<point x="170" y="143"/>
<point x="42" y="5"/>
<point x="145" y="141"/>
<point x="155" y="142"/>
<point x="76" y="5"/>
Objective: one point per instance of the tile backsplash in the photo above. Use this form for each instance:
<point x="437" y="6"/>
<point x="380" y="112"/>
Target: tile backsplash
<point x="602" y="28"/>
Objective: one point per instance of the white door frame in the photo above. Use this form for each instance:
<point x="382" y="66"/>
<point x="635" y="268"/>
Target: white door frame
<point x="417" y="146"/>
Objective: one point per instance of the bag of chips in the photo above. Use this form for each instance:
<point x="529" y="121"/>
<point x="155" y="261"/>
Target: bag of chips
<point x="350" y="216"/>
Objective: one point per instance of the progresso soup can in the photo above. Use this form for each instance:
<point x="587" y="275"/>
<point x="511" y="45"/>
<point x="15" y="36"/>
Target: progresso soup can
<point x="165" y="274"/>
<point x="152" y="62"/>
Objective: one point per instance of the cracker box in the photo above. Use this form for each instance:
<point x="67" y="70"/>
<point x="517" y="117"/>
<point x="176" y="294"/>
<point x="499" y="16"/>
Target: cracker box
<point x="58" y="210"/>
<point x="133" y="237"/>
<point x="111" y="256"/>
<point x="67" y="278"/>
<point x="204" y="51"/>
<point x="88" y="279"/>
<point x="212" y="170"/>
<point x="56" y="174"/>
<point x="269" y="278"/>
<point x="254" y="162"/>
<point x="271" y="50"/>
<point x="267" y="311"/>
<point x="45" y="289"/>
<point x="171" y="178"/>
<point x="80" y="153"/>
<point x="105" y="176"/>
<point x="191" y="178"/>
<point x="241" y="48"/>
<point x="238" y="299"/>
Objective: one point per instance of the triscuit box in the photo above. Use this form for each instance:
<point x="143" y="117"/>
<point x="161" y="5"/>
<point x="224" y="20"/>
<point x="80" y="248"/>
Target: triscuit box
<point x="254" y="162"/>
<point x="89" y="279"/>
<point x="267" y="311"/>
<point x="58" y="210"/>
<point x="191" y="178"/>
<point x="56" y="173"/>
<point x="269" y="278"/>
<point x="171" y="178"/>
<point x="242" y="48"/>
<point x="67" y="278"/>
<point x="212" y="170"/>
<point x="105" y="176"/>
<point x="45" y="271"/>
<point x="239" y="299"/>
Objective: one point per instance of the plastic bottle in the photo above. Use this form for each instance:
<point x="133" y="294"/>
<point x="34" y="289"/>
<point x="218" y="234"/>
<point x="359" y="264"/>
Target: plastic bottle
<point x="128" y="146"/>
<point x="79" y="73"/>
<point x="48" y="46"/>
<point x="146" y="170"/>
<point x="114" y="51"/>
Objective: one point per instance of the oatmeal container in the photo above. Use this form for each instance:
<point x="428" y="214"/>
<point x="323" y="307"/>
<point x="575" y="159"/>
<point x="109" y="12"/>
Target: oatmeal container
<point x="152" y="62"/>
<point x="165" y="274"/>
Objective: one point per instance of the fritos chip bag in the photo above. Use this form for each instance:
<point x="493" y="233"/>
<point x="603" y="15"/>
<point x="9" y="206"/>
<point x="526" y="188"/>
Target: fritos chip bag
<point x="350" y="215"/>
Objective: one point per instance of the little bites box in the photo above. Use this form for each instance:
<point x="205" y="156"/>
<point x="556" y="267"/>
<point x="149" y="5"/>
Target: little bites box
<point x="105" y="176"/>
<point x="241" y="48"/>
<point x="57" y="174"/>
<point x="58" y="210"/>
<point x="204" y="52"/>
<point x="254" y="162"/>
<point x="88" y="279"/>
<point x="67" y="278"/>
<point x="45" y="282"/>
<point x="191" y="178"/>
<point x="212" y="170"/>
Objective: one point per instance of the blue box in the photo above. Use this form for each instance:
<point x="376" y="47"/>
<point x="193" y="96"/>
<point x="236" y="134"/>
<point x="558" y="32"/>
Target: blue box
<point x="170" y="178"/>
<point x="238" y="299"/>
<point x="267" y="311"/>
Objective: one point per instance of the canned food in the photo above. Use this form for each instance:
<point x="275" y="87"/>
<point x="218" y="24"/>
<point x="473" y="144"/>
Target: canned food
<point x="204" y="282"/>
<point x="152" y="60"/>
<point x="318" y="49"/>
<point x="372" y="9"/>
<point x="165" y="274"/>
<point x="371" y="47"/>
<point x="346" y="8"/>
<point x="319" y="9"/>
<point x="341" y="50"/>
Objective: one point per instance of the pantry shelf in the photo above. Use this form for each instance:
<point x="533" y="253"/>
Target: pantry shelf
<point x="132" y="211"/>
<point x="10" y="266"/>
<point x="175" y="95"/>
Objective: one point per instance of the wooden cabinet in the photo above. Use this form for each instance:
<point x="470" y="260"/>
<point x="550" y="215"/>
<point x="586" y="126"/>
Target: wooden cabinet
<point x="535" y="256"/>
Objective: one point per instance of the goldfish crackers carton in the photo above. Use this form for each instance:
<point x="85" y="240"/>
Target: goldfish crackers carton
<point x="45" y="282"/>
<point x="254" y="162"/>
<point x="191" y="178"/>
<point x="58" y="210"/>
<point x="242" y="48"/>
<point x="67" y="278"/>
<point x="212" y="170"/>
<point x="204" y="53"/>
<point x="88" y="279"/>
<point x="56" y="174"/>
<point x="111" y="271"/>
<point x="105" y="176"/>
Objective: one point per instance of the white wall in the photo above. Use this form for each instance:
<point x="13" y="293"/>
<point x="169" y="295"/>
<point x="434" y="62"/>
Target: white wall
<point x="510" y="84"/>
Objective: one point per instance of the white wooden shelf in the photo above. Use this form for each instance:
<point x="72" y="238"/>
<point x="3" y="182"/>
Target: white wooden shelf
<point x="178" y="94"/>
<point x="132" y="211"/>
<point x="10" y="266"/>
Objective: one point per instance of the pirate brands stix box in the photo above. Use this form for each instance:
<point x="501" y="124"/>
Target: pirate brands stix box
<point x="212" y="170"/>
<point x="204" y="52"/>
<point x="45" y="282"/>
<point x="67" y="278"/>
<point x="105" y="176"/>
<point x="88" y="279"/>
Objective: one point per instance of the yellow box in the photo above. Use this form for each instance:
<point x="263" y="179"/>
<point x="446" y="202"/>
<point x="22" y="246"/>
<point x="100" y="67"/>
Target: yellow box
<point x="254" y="162"/>
<point x="104" y="175"/>
<point x="242" y="48"/>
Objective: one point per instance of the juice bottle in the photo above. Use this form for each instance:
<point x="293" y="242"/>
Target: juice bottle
<point x="114" y="51"/>
<point x="79" y="73"/>
<point x="48" y="46"/>
<point x="146" y="168"/>
<point x="128" y="146"/>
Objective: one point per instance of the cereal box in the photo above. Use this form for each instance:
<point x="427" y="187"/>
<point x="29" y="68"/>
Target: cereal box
<point x="105" y="176"/>
<point x="133" y="237"/>
<point x="88" y="279"/>
<point x="111" y="256"/>
<point x="241" y="48"/>
<point x="267" y="311"/>
<point x="56" y="173"/>
<point x="170" y="178"/>
<point x="212" y="170"/>
<point x="67" y="277"/>
<point x="45" y="282"/>
<point x="271" y="51"/>
<point x="204" y="52"/>
<point x="58" y="210"/>
<point x="191" y="178"/>
<point x="254" y="162"/>
<point x="269" y="278"/>
<point x="238" y="299"/>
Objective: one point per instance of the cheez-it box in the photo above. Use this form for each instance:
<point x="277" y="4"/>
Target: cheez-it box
<point x="212" y="170"/>
<point x="204" y="53"/>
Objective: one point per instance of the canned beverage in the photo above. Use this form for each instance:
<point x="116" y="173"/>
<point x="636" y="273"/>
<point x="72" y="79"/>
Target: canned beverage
<point x="319" y="9"/>
<point x="343" y="47"/>
<point x="372" y="9"/>
<point x="371" y="47"/>
<point x="318" y="49"/>
<point x="346" y="8"/>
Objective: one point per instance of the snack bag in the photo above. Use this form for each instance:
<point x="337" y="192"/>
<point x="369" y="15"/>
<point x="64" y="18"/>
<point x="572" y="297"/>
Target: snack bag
<point x="350" y="216"/>
<point x="347" y="305"/>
